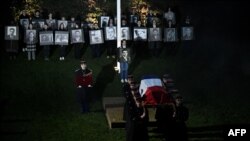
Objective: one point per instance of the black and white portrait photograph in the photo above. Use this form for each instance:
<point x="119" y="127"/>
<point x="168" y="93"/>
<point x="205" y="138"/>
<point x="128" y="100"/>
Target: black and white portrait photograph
<point x="61" y="37"/>
<point x="140" y="34"/>
<point x="124" y="54"/>
<point x="51" y="23"/>
<point x="110" y="33"/>
<point x="170" y="35"/>
<point x="38" y="24"/>
<point x="31" y="36"/>
<point x="46" y="38"/>
<point x="24" y="22"/>
<point x="62" y="22"/>
<point x="125" y="33"/>
<point x="187" y="33"/>
<point x="104" y="21"/>
<point x="11" y="33"/>
<point x="77" y="36"/>
<point x="96" y="36"/>
<point x="154" y="34"/>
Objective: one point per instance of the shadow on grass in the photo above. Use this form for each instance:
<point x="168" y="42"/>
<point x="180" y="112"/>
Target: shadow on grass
<point x="106" y="76"/>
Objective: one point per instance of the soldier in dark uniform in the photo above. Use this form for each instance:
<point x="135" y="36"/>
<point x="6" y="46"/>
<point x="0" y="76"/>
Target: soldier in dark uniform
<point x="83" y="80"/>
<point x="128" y="96"/>
<point x="181" y="117"/>
<point x="137" y="119"/>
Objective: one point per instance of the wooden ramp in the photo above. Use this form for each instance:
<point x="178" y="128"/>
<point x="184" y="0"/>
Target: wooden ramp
<point x="113" y="107"/>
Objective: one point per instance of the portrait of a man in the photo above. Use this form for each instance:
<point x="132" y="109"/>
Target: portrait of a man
<point x="140" y="34"/>
<point x="125" y="33"/>
<point x="61" y="37"/>
<point x="96" y="36"/>
<point x="110" y="33"/>
<point x="77" y="36"/>
<point x="187" y="33"/>
<point x="24" y="22"/>
<point x="11" y="33"/>
<point x="155" y="34"/>
<point x="124" y="54"/>
<point x="104" y="21"/>
<point x="170" y="35"/>
<point x="31" y="36"/>
<point x="46" y="38"/>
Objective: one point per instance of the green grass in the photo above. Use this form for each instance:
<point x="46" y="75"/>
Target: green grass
<point x="39" y="97"/>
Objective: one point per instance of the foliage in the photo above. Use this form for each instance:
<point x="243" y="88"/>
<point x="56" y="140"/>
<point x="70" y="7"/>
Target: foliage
<point x="30" y="6"/>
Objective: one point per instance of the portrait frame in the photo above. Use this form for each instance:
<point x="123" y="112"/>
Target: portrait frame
<point x="129" y="53"/>
<point x="125" y="33"/>
<point x="104" y="19"/>
<point x="38" y="22"/>
<point x="11" y="36"/>
<point x="52" y="23"/>
<point x="170" y="35"/>
<point x="73" y="39"/>
<point x="22" y="21"/>
<point x="108" y="36"/>
<point x="187" y="36"/>
<point x="140" y="34"/>
<point x="96" y="36"/>
<point x="59" y="22"/>
<point x="61" y="38"/>
<point x="46" y="38"/>
<point x="27" y="32"/>
<point x="151" y="37"/>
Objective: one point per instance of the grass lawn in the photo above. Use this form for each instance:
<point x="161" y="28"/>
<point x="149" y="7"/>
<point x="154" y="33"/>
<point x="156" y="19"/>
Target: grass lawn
<point x="38" y="101"/>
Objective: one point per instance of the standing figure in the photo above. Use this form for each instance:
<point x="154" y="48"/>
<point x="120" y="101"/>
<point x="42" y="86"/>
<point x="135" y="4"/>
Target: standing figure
<point x="124" y="59"/>
<point x="83" y="81"/>
<point x="31" y="43"/>
<point x="62" y="27"/>
<point x="111" y="44"/>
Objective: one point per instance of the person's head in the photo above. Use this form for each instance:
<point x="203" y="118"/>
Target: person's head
<point x="11" y="31"/>
<point x="178" y="100"/>
<point x="83" y="64"/>
<point x="63" y="18"/>
<point x="111" y="22"/>
<point x="124" y="53"/>
<point x="72" y="19"/>
<point x="150" y="12"/>
<point x="154" y="23"/>
<point x="45" y="26"/>
<point x="37" y="13"/>
<point x="124" y="43"/>
<point x="30" y="26"/>
<point x="169" y="9"/>
<point x="138" y="23"/>
<point x="50" y="15"/>
<point x="124" y="22"/>
<point x="187" y="20"/>
<point x="23" y="13"/>
<point x="130" y="79"/>
<point x="165" y="78"/>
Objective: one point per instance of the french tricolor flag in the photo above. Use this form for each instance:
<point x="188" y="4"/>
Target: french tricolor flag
<point x="151" y="88"/>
